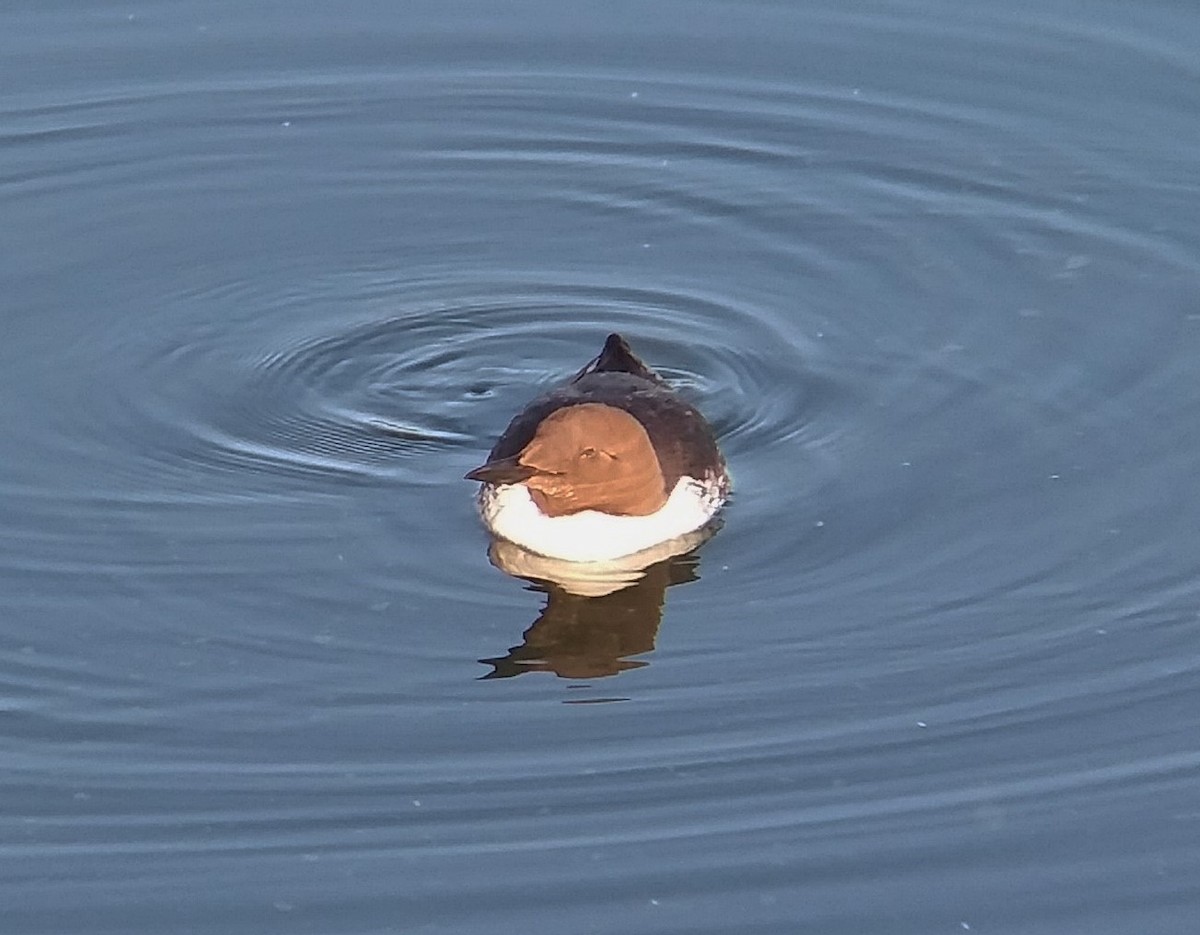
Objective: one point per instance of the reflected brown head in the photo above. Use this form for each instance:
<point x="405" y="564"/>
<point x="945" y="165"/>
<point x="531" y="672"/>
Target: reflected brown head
<point x="586" y="457"/>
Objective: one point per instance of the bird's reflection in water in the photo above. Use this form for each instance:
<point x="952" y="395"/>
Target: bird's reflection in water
<point x="596" y="616"/>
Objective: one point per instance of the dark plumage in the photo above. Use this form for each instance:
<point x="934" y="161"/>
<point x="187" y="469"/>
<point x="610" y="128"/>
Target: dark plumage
<point x="682" y="438"/>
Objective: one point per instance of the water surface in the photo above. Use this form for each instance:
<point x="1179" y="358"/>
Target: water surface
<point x="275" y="277"/>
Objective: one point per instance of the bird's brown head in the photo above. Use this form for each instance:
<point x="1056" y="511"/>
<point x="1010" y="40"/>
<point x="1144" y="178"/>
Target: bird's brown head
<point x="586" y="457"/>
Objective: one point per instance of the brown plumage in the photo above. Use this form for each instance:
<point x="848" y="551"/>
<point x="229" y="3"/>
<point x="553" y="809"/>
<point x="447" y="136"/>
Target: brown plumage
<point x="680" y="440"/>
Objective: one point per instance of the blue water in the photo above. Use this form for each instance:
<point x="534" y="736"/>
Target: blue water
<point x="275" y="276"/>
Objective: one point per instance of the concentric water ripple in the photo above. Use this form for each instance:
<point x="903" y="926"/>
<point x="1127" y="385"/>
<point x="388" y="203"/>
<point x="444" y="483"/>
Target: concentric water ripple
<point x="398" y="381"/>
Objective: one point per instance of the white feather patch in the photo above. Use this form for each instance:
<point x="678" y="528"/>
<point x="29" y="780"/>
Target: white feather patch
<point x="591" y="536"/>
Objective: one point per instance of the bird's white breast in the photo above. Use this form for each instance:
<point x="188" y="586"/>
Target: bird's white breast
<point x="591" y="536"/>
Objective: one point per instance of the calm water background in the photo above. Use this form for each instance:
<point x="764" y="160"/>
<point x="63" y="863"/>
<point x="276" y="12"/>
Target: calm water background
<point x="274" y="276"/>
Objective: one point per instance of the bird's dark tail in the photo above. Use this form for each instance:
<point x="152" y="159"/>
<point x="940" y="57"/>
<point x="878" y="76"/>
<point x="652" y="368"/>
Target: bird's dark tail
<point x="617" y="357"/>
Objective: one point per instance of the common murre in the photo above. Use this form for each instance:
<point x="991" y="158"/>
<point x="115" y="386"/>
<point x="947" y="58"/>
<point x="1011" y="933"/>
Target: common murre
<point x="608" y="464"/>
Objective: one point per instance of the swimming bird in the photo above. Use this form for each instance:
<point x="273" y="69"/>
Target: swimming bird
<point x="608" y="464"/>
